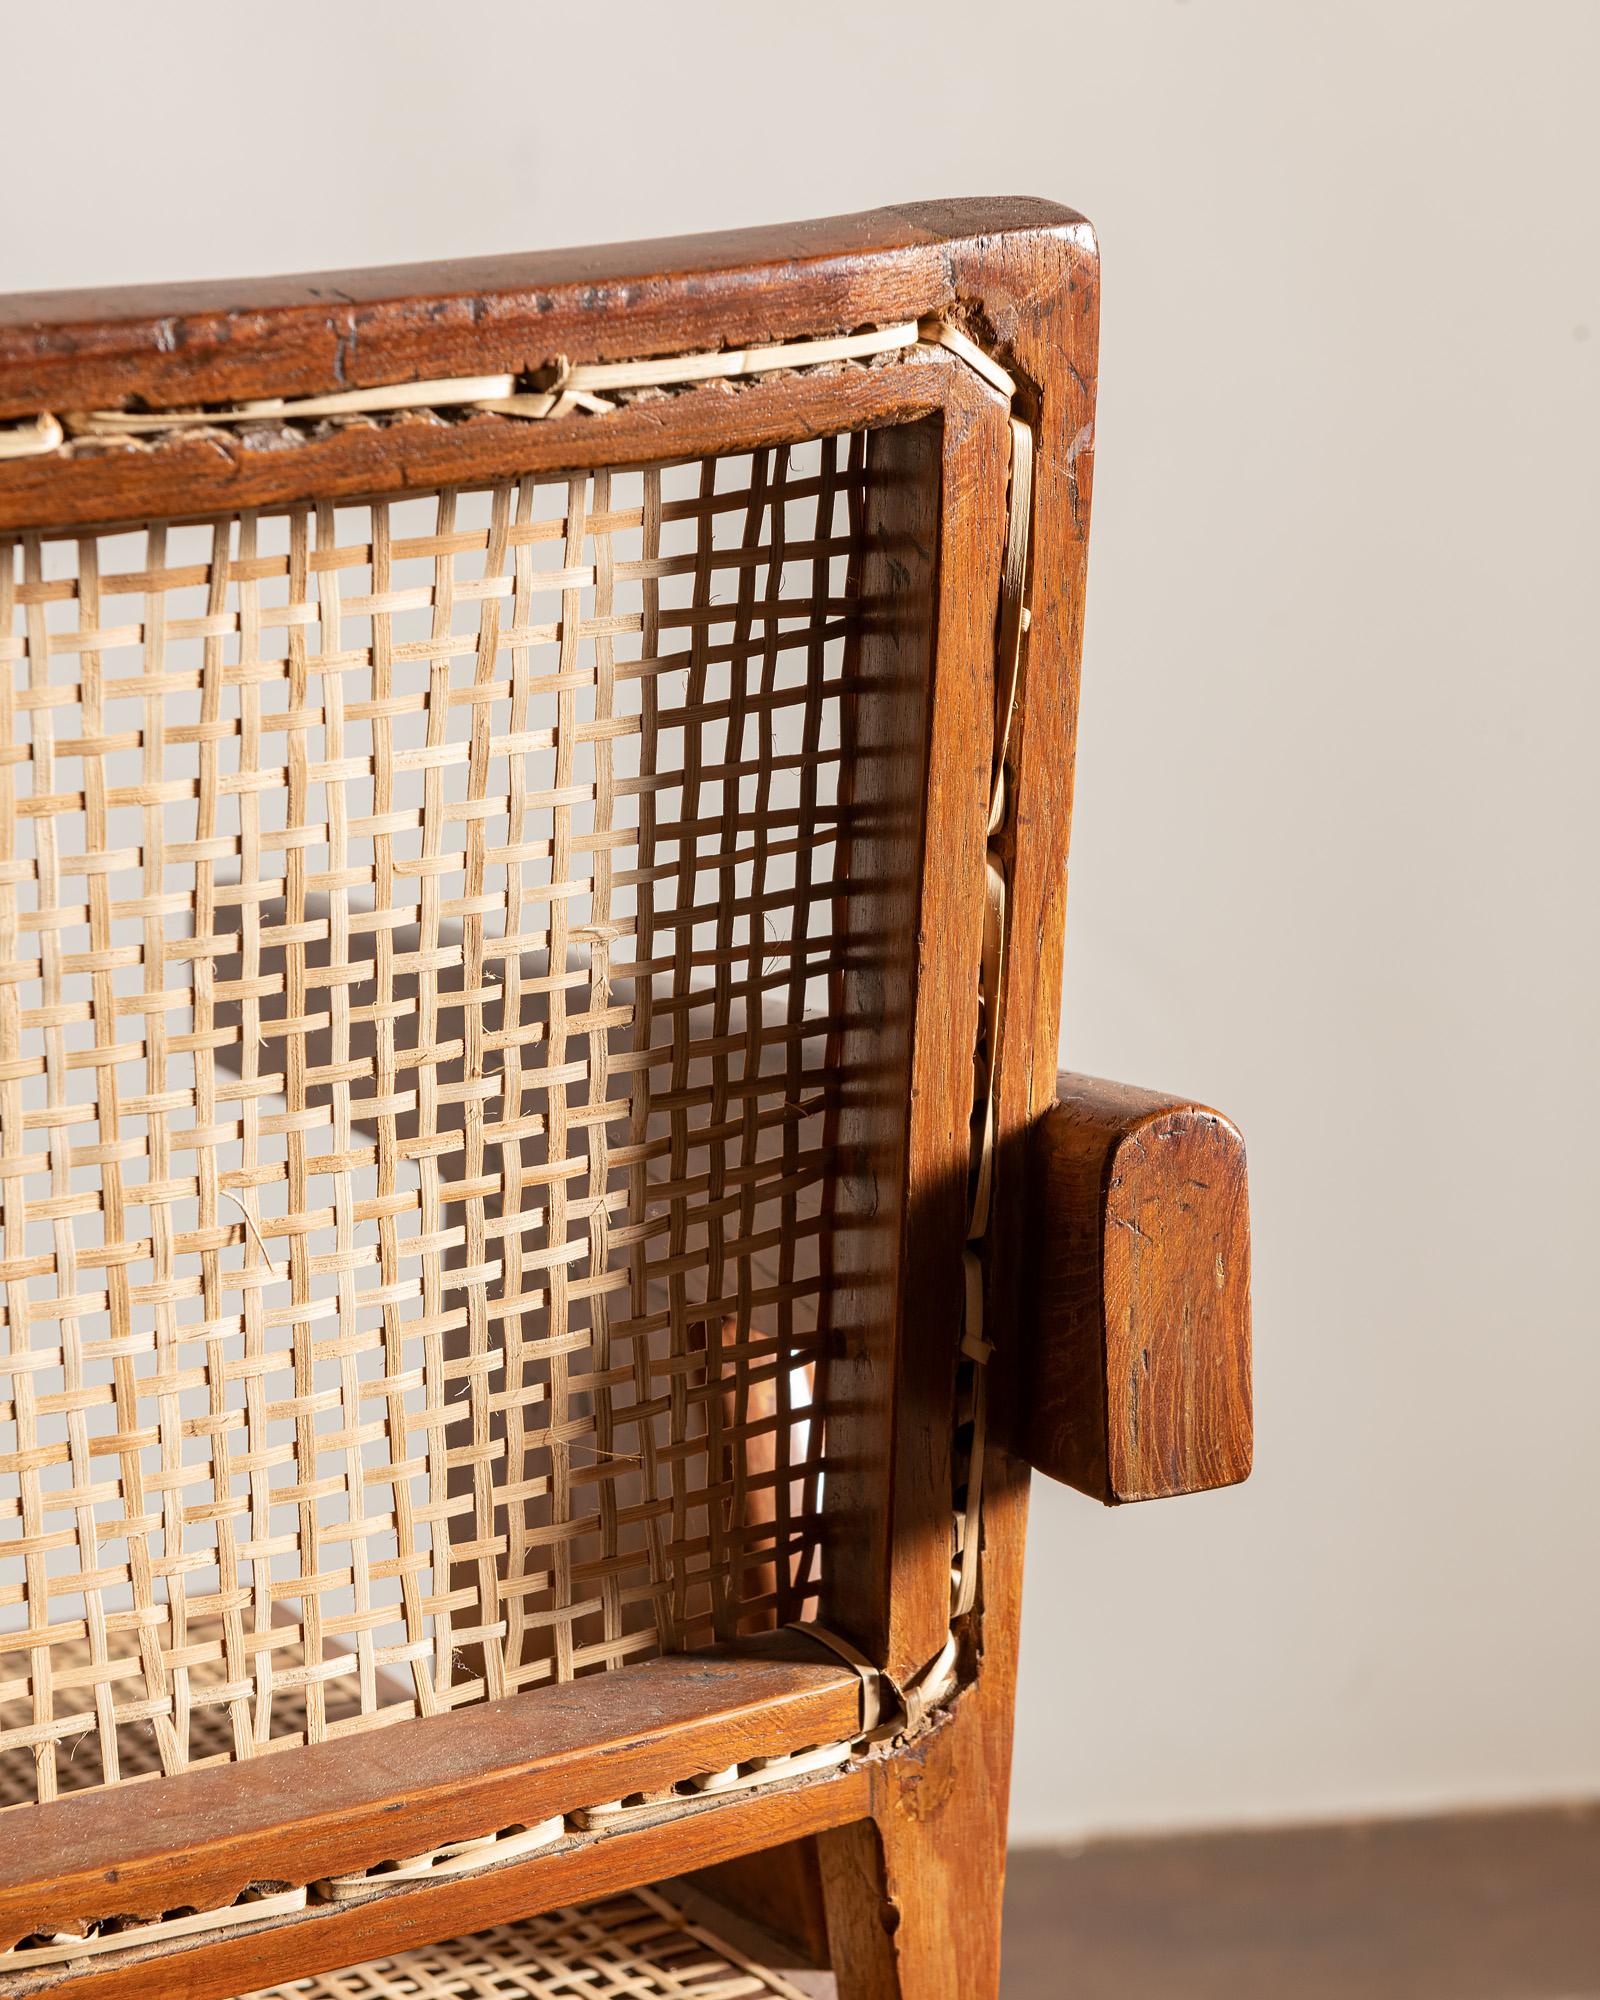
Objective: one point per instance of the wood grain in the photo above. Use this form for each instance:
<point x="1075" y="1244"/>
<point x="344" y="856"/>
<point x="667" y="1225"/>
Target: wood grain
<point x="914" y="1899"/>
<point x="179" y="345"/>
<point x="779" y="1889"/>
<point x="202" y="1836"/>
<point x="917" y="770"/>
<point x="914" y="1906"/>
<point x="192" y="477"/>
<point x="323" y="1939"/>
<point x="1134" y="1371"/>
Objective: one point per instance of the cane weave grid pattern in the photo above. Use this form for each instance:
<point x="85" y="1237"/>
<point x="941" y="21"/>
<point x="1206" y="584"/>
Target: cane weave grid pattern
<point x="416" y="1065"/>
<point x="629" y="1947"/>
<point x="210" y="1737"/>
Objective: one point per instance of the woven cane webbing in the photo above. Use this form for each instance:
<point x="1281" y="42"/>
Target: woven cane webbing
<point x="416" y="923"/>
<point x="630" y="1947"/>
<point x="210" y="1739"/>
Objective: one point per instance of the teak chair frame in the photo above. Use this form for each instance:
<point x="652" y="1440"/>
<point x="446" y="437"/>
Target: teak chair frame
<point x="960" y="338"/>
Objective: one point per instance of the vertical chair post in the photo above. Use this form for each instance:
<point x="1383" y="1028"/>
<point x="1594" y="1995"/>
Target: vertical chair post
<point x="914" y="1893"/>
<point x="914" y="1898"/>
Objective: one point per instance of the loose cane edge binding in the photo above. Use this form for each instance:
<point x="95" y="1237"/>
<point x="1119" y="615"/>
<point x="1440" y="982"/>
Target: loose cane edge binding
<point x="1029" y="292"/>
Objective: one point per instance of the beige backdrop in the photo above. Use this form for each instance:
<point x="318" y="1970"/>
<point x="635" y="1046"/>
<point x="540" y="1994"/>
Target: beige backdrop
<point x="1336" y="837"/>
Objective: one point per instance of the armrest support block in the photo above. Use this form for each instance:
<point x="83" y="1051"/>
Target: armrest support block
<point x="1133" y="1378"/>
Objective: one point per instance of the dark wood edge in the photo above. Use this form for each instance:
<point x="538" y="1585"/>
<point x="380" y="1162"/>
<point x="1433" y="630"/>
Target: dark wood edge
<point x="1030" y="295"/>
<point x="324" y="1939"/>
<point x="166" y="346"/>
<point x="1133" y="1351"/>
<point x="192" y="478"/>
<point x="917" y="1903"/>
<point x="1041" y="304"/>
<point x="201" y="1837"/>
<point x="930" y="583"/>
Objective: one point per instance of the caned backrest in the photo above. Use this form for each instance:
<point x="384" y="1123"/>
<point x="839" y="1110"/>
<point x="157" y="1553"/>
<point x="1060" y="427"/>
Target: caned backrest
<point x="421" y="1042"/>
<point x="532" y="810"/>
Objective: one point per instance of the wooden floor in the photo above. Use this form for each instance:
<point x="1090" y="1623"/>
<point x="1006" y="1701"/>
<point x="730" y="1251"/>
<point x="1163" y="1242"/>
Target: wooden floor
<point x="1501" y="1906"/>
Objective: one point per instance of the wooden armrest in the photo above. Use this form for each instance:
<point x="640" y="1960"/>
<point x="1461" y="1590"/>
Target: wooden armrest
<point x="1133" y="1367"/>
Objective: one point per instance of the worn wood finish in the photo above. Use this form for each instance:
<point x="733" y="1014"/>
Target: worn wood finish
<point x="914" y="1905"/>
<point x="324" y="1939"/>
<point x="779" y="1889"/>
<point x="918" y="1890"/>
<point x="1037" y="295"/>
<point x="1135" y="1352"/>
<point x="201" y="1837"/>
<point x="183" y="346"/>
<point x="919" y="773"/>
<point x="913" y="1899"/>
<point x="194" y="476"/>
<point x="179" y="345"/>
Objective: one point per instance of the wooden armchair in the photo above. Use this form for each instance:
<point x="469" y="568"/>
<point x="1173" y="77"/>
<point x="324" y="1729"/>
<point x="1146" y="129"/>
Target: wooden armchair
<point x="538" y="1253"/>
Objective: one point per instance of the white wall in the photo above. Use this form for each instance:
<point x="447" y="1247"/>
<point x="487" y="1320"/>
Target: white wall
<point x="1336" y="836"/>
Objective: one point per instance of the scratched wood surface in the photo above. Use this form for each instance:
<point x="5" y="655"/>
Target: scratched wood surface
<point x="1137" y="1338"/>
<point x="912" y="1860"/>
